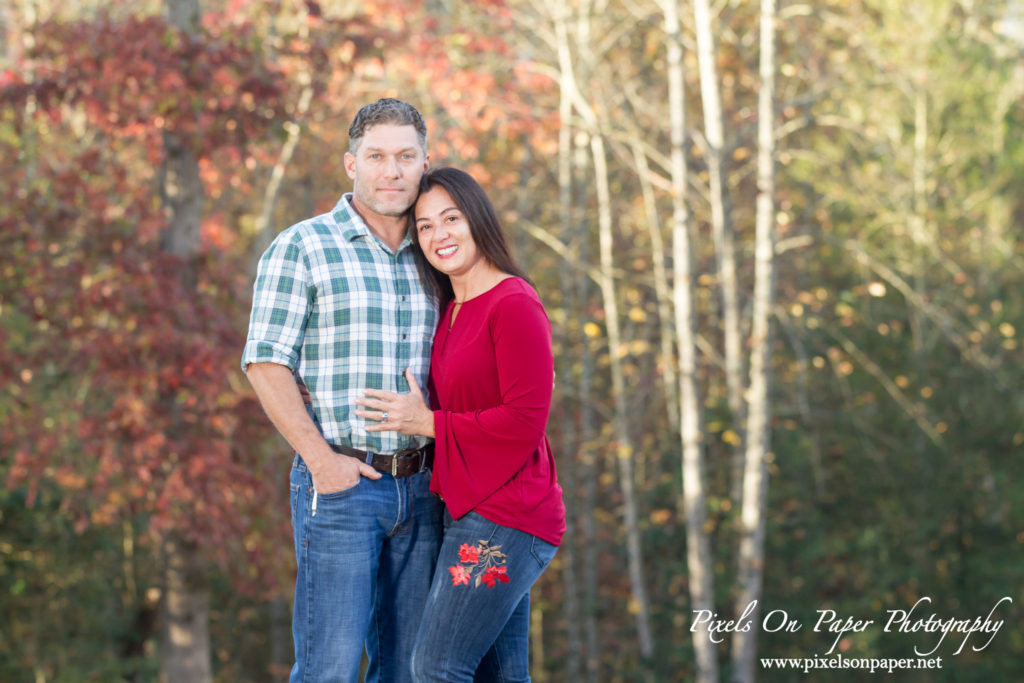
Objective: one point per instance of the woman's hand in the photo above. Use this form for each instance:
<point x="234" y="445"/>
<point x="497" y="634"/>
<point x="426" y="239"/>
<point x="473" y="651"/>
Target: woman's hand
<point x="404" y="413"/>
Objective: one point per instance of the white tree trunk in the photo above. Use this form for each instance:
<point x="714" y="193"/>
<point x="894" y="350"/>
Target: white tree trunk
<point x="570" y="169"/>
<point x="698" y="545"/>
<point x="624" y="451"/>
<point x="265" y="228"/>
<point x="722" y="230"/>
<point x="662" y="290"/>
<point x="571" y="438"/>
<point x="750" y="573"/>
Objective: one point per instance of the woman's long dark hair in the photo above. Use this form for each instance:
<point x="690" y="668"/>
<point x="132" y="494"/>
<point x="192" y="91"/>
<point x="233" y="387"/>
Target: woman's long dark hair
<point x="484" y="228"/>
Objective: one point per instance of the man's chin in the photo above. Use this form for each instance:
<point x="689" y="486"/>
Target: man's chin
<point x="393" y="210"/>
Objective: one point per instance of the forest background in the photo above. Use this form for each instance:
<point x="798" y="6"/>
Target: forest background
<point x="780" y="247"/>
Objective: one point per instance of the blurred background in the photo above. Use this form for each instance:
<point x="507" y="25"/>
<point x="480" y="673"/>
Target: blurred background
<point x="783" y="269"/>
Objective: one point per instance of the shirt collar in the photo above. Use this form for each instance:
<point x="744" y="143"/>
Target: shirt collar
<point x="355" y="227"/>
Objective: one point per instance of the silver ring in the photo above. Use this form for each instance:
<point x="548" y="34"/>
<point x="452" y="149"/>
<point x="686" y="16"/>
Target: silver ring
<point x="384" y="416"/>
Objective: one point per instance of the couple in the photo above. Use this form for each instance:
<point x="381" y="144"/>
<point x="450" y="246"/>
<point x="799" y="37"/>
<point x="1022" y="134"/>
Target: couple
<point x="420" y="525"/>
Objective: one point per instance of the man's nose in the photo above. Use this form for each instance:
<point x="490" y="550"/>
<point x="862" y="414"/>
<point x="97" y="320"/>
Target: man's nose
<point x="392" y="168"/>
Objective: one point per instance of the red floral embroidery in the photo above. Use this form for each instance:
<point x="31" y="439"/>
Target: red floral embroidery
<point x="469" y="553"/>
<point x="494" y="573"/>
<point x="459" y="575"/>
<point x="483" y="563"/>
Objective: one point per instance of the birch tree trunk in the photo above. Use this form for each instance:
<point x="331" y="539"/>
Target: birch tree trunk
<point x="571" y="439"/>
<point x="662" y="291"/>
<point x="265" y="228"/>
<point x="588" y="440"/>
<point x="185" y="634"/>
<point x="698" y="545"/>
<point x="570" y="169"/>
<point x="624" y="451"/>
<point x="722" y="230"/>
<point x="624" y="454"/>
<point x="750" y="572"/>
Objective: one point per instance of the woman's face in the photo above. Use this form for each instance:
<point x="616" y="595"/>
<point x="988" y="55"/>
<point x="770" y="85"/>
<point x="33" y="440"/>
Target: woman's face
<point x="444" y="234"/>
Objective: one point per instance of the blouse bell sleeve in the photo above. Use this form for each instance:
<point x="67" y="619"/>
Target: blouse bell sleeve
<point x="481" y="450"/>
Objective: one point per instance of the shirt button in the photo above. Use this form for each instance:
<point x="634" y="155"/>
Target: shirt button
<point x="404" y="336"/>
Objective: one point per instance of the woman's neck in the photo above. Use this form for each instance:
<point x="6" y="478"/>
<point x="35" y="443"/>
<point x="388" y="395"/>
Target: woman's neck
<point x="474" y="284"/>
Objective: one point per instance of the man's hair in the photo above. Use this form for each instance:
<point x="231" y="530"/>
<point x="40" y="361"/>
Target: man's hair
<point x="386" y="110"/>
<point x="484" y="226"/>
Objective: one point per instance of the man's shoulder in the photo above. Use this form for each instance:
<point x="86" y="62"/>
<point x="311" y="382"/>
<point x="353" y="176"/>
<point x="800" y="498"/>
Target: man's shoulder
<point x="335" y="225"/>
<point x="310" y="228"/>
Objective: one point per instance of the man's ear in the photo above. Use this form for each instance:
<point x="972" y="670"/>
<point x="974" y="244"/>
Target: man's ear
<point x="350" y="165"/>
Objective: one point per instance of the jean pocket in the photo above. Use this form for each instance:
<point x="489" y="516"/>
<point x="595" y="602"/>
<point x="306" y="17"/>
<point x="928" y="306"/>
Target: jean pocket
<point x="342" y="493"/>
<point x="543" y="552"/>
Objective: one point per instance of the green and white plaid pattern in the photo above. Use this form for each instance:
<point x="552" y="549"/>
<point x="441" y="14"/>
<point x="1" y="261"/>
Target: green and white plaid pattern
<point x="332" y="303"/>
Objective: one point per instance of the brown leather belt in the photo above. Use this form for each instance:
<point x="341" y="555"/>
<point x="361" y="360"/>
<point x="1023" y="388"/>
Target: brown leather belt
<point x="401" y="464"/>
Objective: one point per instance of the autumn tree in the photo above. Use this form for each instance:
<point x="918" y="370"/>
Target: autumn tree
<point x="140" y="422"/>
<point x="882" y="406"/>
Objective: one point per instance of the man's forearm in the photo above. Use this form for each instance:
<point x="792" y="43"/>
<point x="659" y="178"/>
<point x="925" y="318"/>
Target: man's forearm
<point x="279" y="395"/>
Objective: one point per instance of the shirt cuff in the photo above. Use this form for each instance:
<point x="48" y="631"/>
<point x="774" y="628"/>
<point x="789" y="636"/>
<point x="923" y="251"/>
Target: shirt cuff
<point x="257" y="351"/>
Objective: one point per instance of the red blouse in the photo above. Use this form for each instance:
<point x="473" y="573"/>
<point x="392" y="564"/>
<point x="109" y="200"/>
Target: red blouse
<point x="492" y="375"/>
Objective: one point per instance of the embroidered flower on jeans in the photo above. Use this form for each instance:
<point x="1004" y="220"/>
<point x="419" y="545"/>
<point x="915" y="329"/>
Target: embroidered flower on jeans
<point x="494" y="573"/>
<point x="469" y="553"/>
<point x="459" y="575"/>
<point x="482" y="563"/>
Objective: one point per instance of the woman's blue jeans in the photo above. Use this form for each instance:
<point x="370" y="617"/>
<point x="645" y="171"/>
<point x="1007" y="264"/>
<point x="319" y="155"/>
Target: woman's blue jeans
<point x="365" y="557"/>
<point x="476" y="624"/>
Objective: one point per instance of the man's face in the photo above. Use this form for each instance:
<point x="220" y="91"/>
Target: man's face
<point x="386" y="170"/>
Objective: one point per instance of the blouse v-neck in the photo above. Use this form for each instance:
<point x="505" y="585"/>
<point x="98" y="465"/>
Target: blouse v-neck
<point x="456" y="306"/>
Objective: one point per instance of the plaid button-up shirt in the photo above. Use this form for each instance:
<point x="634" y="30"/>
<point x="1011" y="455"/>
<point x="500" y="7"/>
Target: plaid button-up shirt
<point x="335" y="305"/>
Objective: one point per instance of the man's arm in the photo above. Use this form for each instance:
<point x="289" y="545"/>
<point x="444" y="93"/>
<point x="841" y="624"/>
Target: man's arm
<point x="279" y="395"/>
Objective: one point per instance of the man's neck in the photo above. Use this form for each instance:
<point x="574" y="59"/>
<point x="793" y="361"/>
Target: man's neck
<point x="388" y="229"/>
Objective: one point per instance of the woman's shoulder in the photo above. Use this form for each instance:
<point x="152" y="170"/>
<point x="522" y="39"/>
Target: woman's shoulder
<point x="514" y="299"/>
<point x="514" y="286"/>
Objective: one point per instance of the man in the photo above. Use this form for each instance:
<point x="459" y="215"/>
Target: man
<point x="338" y="303"/>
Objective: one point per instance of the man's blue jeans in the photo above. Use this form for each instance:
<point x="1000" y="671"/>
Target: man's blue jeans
<point x="476" y="625"/>
<point x="365" y="560"/>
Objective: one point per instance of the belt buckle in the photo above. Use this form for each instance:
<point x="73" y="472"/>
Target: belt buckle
<point x="404" y="453"/>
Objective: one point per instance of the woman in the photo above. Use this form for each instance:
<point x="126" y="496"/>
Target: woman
<point x="492" y="376"/>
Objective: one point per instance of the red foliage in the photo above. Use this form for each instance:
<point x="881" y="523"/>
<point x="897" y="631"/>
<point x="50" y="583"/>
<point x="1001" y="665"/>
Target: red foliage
<point x="126" y="392"/>
<point x="156" y="424"/>
<point x="123" y="388"/>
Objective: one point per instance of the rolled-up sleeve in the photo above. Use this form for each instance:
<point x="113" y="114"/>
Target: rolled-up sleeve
<point x="282" y="299"/>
